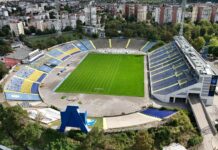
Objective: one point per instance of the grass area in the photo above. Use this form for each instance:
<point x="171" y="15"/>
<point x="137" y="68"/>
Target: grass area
<point x="99" y="122"/>
<point x="107" y="74"/>
<point x="48" y="40"/>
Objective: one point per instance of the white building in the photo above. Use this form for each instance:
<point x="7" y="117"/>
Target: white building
<point x="17" y="27"/>
<point x="53" y="23"/>
<point x="168" y="14"/>
<point x="75" y="17"/>
<point x="207" y="12"/>
<point x="90" y="16"/>
<point x="141" y="13"/>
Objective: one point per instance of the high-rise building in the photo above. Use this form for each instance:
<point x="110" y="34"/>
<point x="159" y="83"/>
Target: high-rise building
<point x="214" y="14"/>
<point x="141" y="13"/>
<point x="90" y="16"/>
<point x="17" y="27"/>
<point x="168" y="14"/>
<point x="207" y="12"/>
<point x="136" y="10"/>
<point x="130" y="10"/>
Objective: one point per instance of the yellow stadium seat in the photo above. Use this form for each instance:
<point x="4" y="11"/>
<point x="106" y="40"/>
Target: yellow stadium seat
<point x="26" y="86"/>
<point x="72" y="51"/>
<point x="35" y="75"/>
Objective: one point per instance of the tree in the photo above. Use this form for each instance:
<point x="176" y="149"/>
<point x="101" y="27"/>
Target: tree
<point x="79" y="26"/>
<point x="60" y="144"/>
<point x="52" y="15"/>
<point x="13" y="120"/>
<point x="198" y="43"/>
<point x="94" y="140"/>
<point x="195" y="32"/>
<point x="31" y="134"/>
<point x="6" y="30"/>
<point x="195" y="140"/>
<point x="143" y="141"/>
<point x="3" y="70"/>
<point x="203" y="31"/>
<point x="5" y="48"/>
<point x="68" y="28"/>
<point x="32" y="29"/>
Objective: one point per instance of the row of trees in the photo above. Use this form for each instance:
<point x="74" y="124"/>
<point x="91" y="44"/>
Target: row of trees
<point x="17" y="132"/>
<point x="197" y="34"/>
<point x="49" y="38"/>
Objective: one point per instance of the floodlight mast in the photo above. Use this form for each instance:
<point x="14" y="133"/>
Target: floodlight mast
<point x="58" y="16"/>
<point x="183" y="17"/>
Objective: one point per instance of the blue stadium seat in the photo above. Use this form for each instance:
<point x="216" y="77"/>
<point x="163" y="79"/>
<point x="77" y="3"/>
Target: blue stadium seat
<point x="164" y="83"/>
<point x="80" y="46"/>
<point x="168" y="90"/>
<point x="34" y="88"/>
<point x="22" y="96"/>
<point x="87" y="43"/>
<point x="158" y="113"/>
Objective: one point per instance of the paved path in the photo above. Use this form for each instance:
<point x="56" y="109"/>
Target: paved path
<point x="130" y="120"/>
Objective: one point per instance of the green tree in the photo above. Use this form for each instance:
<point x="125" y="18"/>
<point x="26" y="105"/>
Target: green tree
<point x="198" y="43"/>
<point x="31" y="134"/>
<point x="143" y="141"/>
<point x="79" y="26"/>
<point x="5" y="48"/>
<point x="94" y="140"/>
<point x="60" y="144"/>
<point x="195" y="140"/>
<point x="68" y="28"/>
<point x="32" y="29"/>
<point x="3" y="70"/>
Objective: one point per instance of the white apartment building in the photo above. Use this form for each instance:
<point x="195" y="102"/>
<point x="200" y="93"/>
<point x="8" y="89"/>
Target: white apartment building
<point x="207" y="12"/>
<point x="142" y="13"/>
<point x="90" y="16"/>
<point x="17" y="27"/>
<point x="168" y="14"/>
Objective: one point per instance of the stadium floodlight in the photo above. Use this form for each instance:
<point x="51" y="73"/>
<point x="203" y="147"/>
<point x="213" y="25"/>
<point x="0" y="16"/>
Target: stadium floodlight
<point x="183" y="17"/>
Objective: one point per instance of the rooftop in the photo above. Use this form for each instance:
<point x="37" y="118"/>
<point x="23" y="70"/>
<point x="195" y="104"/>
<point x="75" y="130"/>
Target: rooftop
<point x="193" y="57"/>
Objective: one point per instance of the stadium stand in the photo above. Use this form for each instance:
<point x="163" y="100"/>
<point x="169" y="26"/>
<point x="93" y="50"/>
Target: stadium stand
<point x="57" y="54"/>
<point x="101" y="43"/>
<point x="170" y="74"/>
<point x="46" y="63"/>
<point x="148" y="46"/>
<point x="66" y="47"/>
<point x="30" y="74"/>
<point x="87" y="44"/>
<point x="14" y="84"/>
<point x="35" y="55"/>
<point x="158" y="113"/>
<point x="80" y="45"/>
<point x="136" y="44"/>
<point x="69" y="48"/>
<point x="21" y="96"/>
<point x="119" y="43"/>
<point x="177" y="70"/>
<point x="17" y="84"/>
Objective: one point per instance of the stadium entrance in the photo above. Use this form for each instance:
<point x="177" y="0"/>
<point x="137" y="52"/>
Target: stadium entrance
<point x="180" y="100"/>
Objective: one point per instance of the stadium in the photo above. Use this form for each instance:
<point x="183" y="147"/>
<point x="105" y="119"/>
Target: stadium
<point x="110" y="77"/>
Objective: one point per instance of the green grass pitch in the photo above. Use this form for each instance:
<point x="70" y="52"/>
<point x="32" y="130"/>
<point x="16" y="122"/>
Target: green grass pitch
<point x="108" y="74"/>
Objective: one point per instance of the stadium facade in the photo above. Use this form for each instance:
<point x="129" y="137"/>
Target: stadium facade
<point x="177" y="70"/>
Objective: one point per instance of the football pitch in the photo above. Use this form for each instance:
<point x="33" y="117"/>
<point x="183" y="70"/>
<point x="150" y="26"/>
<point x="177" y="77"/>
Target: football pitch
<point x="108" y="74"/>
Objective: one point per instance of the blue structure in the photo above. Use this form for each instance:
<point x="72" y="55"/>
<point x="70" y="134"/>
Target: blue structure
<point x="73" y="118"/>
<point x="158" y="113"/>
